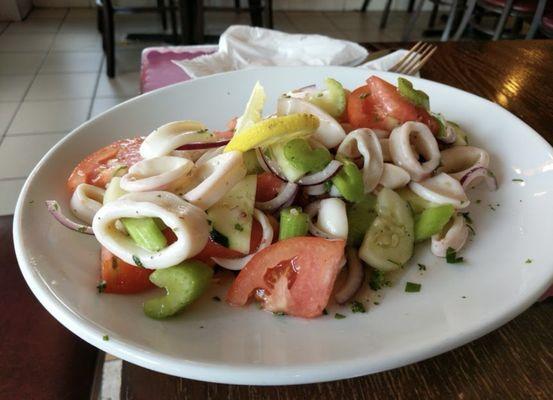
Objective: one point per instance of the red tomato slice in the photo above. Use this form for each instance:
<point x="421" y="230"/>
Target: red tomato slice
<point x="98" y="168"/>
<point x="123" y="278"/>
<point x="295" y="276"/>
<point x="379" y="105"/>
<point x="268" y="186"/>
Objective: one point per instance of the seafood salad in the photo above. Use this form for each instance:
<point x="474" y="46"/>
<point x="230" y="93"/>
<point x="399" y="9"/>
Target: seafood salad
<point x="302" y="206"/>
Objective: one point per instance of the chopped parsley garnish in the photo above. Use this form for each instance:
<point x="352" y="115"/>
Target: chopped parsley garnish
<point x="364" y="95"/>
<point x="81" y="229"/>
<point x="451" y="256"/>
<point x="31" y="202"/>
<point x="378" y="280"/>
<point x="412" y="287"/>
<point x="518" y="180"/>
<point x="56" y="206"/>
<point x="491" y="207"/>
<point x="478" y="201"/>
<point x="422" y="267"/>
<point x="137" y="261"/>
<point x="528" y="261"/>
<point x="238" y="227"/>
<point x="101" y="286"/>
<point x="395" y="262"/>
<point x="463" y="297"/>
<point x="325" y="312"/>
<point x="216" y="298"/>
<point x="327" y="186"/>
<point x="218" y="237"/>
<point x="279" y="313"/>
<point x="339" y="316"/>
<point x="357" y="307"/>
<point x="105" y="338"/>
<point x="376" y="303"/>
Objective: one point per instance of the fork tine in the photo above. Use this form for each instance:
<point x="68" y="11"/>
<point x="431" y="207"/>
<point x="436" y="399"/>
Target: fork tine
<point x="418" y="56"/>
<point x="410" y="53"/>
<point x="416" y="68"/>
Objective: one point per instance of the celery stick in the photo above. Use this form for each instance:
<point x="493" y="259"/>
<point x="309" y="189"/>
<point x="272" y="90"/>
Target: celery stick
<point x="145" y="233"/>
<point x="432" y="220"/>
<point x="349" y="182"/>
<point x="293" y="223"/>
<point x="183" y="283"/>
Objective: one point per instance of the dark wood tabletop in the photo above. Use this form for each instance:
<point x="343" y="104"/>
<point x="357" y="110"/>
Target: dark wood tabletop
<point x="42" y="360"/>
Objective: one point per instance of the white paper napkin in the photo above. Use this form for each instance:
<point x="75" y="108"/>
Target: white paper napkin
<point x="246" y="47"/>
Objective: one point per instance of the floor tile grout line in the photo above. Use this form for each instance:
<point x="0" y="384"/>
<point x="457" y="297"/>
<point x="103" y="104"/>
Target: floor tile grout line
<point x="5" y="133"/>
<point x="100" y="72"/>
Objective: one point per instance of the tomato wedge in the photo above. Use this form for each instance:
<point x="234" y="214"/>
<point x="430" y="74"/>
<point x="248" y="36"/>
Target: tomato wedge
<point x="379" y="105"/>
<point x="123" y="278"/>
<point x="268" y="186"/>
<point x="294" y="276"/>
<point x="98" y="168"/>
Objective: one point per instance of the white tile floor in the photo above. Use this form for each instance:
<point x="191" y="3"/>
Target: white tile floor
<point x="52" y="73"/>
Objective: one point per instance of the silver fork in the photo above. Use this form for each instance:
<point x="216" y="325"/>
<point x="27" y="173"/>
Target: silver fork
<point x="414" y="60"/>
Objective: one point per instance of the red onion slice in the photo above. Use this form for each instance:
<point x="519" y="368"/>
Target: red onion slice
<point x="55" y="210"/>
<point x="261" y="160"/>
<point x="272" y="166"/>
<point x="315" y="190"/>
<point x="236" y="264"/>
<point x="354" y="279"/>
<point x="319" y="177"/>
<point x="286" y="196"/>
<point x="203" y="145"/>
<point x="479" y="172"/>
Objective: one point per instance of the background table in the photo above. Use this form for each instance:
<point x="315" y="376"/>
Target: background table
<point x="42" y="360"/>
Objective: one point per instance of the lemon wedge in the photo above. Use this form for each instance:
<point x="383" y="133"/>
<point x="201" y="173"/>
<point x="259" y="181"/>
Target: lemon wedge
<point x="272" y="130"/>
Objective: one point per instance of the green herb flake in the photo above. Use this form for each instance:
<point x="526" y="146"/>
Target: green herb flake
<point x="478" y="201"/>
<point x="467" y="218"/>
<point x="56" y="206"/>
<point x="528" y="261"/>
<point x="451" y="256"/>
<point x="378" y="280"/>
<point x="422" y="267"/>
<point x="327" y="185"/>
<point x="105" y="338"/>
<point x="81" y="229"/>
<point x="137" y="261"/>
<point x="395" y="262"/>
<point x="325" y="312"/>
<point x="339" y="316"/>
<point x="517" y="180"/>
<point x="279" y="313"/>
<point x="216" y="298"/>
<point x="463" y="297"/>
<point x="412" y="287"/>
<point x="31" y="202"/>
<point x="357" y="307"/>
<point x="363" y="96"/>
<point x="238" y="227"/>
<point x="101" y="286"/>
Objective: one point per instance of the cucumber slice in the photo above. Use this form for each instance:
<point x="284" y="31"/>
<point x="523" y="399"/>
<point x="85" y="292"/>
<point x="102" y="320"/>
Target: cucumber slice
<point x="183" y="283"/>
<point x="301" y="156"/>
<point x="417" y="97"/>
<point x="145" y="233"/>
<point x="360" y="217"/>
<point x="113" y="191"/>
<point x="389" y="242"/>
<point x="232" y="215"/>
<point x="290" y="172"/>
<point x="432" y="220"/>
<point x="332" y="100"/>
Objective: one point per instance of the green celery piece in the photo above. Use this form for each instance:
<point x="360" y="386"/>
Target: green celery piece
<point x="293" y="222"/>
<point x="360" y="217"/>
<point x="183" y="283"/>
<point x="417" y="203"/>
<point x="145" y="233"/>
<point x="332" y="100"/>
<point x="432" y="220"/>
<point x="300" y="155"/>
<point x="349" y="182"/>
<point x="442" y="122"/>
<point x="417" y="97"/>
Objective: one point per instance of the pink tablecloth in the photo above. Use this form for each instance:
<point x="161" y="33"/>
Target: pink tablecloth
<point x="158" y="71"/>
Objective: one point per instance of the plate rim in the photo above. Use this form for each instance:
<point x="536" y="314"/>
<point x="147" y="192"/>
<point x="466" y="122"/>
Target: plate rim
<point x="232" y="374"/>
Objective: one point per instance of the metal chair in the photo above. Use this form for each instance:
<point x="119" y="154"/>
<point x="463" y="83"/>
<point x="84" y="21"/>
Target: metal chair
<point x="452" y="15"/>
<point x="106" y="24"/>
<point x="386" y="11"/>
<point x="521" y="10"/>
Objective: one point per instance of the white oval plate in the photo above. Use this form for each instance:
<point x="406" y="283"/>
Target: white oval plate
<point x="214" y="342"/>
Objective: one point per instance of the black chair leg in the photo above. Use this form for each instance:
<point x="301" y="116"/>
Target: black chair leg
<point x="433" y="15"/>
<point x="385" y="14"/>
<point x="237" y="6"/>
<point x="412" y="21"/>
<point x="256" y="12"/>
<point x="162" y="14"/>
<point x="109" y="38"/>
<point x="99" y="19"/>
<point x="410" y="6"/>
<point x="268" y="11"/>
<point x="365" y="5"/>
<point x="173" y="16"/>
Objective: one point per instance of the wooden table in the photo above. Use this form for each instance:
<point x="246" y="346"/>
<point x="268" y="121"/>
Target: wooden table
<point x="42" y="360"/>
